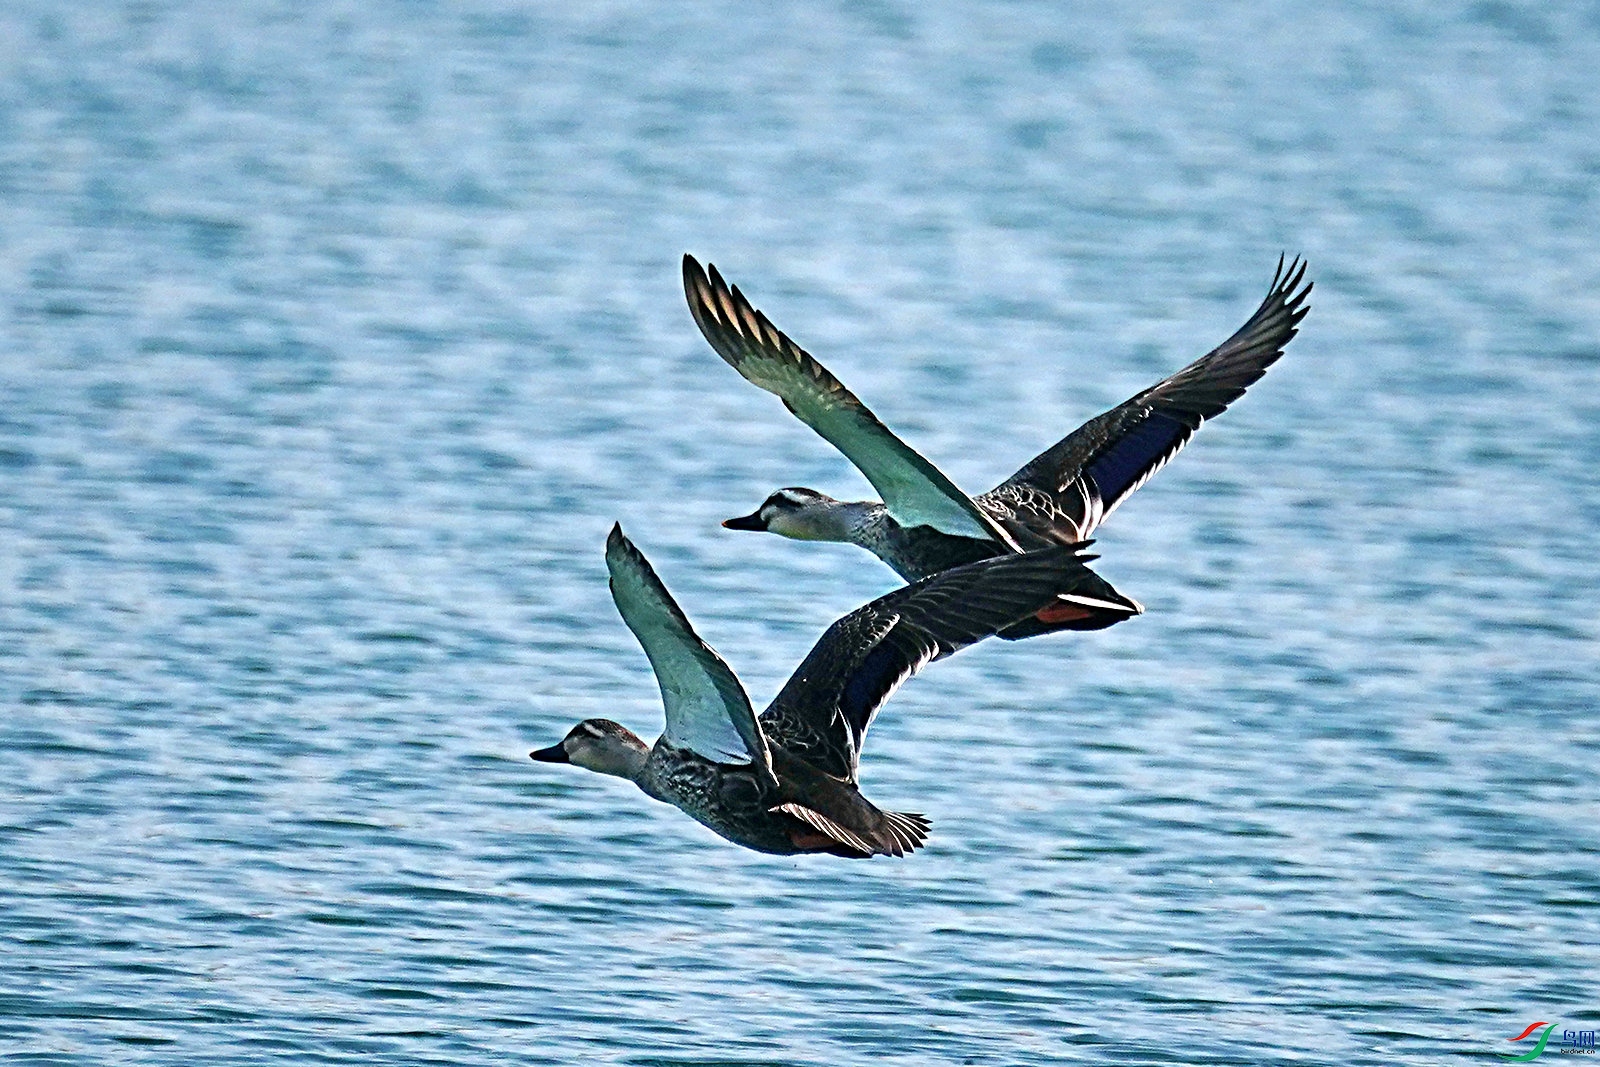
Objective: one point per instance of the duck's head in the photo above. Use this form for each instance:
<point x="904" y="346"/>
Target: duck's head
<point x="801" y="514"/>
<point x="599" y="745"/>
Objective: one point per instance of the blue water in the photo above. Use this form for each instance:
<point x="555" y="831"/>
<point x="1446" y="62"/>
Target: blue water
<point x="335" y="337"/>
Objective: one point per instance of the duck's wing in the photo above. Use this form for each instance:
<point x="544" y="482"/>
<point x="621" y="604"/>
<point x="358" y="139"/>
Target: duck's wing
<point x="915" y="491"/>
<point x="823" y="711"/>
<point x="707" y="709"/>
<point x="1068" y="490"/>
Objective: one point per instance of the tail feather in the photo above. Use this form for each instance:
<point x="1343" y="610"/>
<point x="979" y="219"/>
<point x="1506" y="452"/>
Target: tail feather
<point x="907" y="830"/>
<point x="895" y="833"/>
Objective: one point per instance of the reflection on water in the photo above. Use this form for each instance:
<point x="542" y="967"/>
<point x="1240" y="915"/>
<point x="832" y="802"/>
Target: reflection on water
<point x="335" y="341"/>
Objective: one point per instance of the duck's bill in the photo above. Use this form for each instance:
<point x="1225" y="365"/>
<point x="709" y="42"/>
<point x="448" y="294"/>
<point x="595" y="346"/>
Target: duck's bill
<point x="745" y="522"/>
<point x="554" y="754"/>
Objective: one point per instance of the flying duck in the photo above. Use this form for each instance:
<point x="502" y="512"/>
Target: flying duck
<point x="925" y="524"/>
<point x="786" y="782"/>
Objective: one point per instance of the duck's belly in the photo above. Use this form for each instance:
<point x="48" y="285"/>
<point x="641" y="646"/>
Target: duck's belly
<point x="763" y="832"/>
<point x="725" y="799"/>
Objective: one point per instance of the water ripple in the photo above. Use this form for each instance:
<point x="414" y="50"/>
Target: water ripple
<point x="337" y="340"/>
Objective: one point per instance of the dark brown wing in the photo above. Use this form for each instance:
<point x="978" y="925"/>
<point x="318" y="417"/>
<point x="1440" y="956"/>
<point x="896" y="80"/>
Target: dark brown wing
<point x="1068" y="490"/>
<point x="823" y="711"/>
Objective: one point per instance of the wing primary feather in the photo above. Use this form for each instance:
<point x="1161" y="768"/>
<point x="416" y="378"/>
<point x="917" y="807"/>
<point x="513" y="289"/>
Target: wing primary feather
<point x="1074" y="485"/>
<point x="832" y="697"/>
<point x="915" y="491"/>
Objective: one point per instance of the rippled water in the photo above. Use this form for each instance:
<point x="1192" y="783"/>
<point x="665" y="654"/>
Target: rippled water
<point x="336" y="337"/>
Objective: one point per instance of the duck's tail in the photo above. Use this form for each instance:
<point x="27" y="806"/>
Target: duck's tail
<point x="1093" y="605"/>
<point x="891" y="833"/>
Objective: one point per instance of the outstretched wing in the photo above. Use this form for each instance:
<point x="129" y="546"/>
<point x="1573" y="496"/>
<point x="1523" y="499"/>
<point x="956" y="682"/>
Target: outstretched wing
<point x="1068" y="490"/>
<point x="823" y="711"/>
<point x="914" y="490"/>
<point x="707" y="709"/>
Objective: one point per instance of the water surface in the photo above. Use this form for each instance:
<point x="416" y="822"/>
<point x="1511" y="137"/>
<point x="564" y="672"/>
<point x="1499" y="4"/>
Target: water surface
<point x="335" y="339"/>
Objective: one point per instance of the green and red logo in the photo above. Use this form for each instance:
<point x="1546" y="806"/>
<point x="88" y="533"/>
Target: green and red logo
<point x="1572" y="1041"/>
